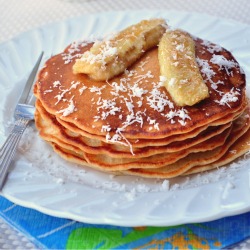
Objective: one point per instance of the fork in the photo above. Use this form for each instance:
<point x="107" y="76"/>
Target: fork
<point x="23" y="114"/>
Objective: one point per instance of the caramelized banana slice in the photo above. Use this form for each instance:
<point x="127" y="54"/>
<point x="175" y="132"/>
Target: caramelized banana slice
<point x="179" y="70"/>
<point x="111" y="57"/>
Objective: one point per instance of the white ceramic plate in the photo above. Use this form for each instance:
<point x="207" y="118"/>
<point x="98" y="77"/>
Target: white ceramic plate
<point x="39" y="179"/>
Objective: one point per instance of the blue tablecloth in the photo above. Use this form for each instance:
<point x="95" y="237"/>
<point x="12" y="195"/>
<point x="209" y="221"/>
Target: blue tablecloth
<point x="50" y="232"/>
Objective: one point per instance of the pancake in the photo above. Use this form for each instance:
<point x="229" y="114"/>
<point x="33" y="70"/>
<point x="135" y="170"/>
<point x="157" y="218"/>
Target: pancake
<point x="239" y="148"/>
<point x="130" y="123"/>
<point x="51" y="130"/>
<point x="135" y="104"/>
<point x="107" y="163"/>
<point x="180" y="167"/>
<point x="200" y="162"/>
<point x="141" y="143"/>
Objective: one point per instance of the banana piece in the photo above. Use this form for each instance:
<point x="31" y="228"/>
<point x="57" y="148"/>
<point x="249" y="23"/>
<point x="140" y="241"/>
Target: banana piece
<point x="109" y="58"/>
<point x="179" y="70"/>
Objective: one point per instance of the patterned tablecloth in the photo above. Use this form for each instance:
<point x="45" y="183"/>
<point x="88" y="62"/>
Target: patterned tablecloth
<point x="23" y="15"/>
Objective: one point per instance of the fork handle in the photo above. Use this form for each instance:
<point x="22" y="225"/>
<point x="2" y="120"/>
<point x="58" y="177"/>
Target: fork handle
<point x="9" y="147"/>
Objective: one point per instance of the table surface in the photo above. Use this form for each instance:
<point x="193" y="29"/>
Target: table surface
<point x="19" y="16"/>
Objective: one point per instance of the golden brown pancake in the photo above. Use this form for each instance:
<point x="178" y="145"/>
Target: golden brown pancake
<point x="130" y="124"/>
<point x="134" y="104"/>
<point x="196" y="161"/>
<point x="51" y="130"/>
<point x="202" y="161"/>
<point x="141" y="143"/>
<point x="239" y="148"/>
<point x="107" y="163"/>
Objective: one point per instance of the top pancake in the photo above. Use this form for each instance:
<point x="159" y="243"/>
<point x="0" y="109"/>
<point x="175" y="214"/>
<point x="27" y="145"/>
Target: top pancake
<point x="135" y="105"/>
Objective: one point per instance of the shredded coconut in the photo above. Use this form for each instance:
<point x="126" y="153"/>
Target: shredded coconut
<point x="226" y="98"/>
<point x="180" y="47"/>
<point x="105" y="50"/>
<point x="165" y="185"/>
<point x="212" y="47"/>
<point x="97" y="90"/>
<point x="70" y="109"/>
<point x="82" y="89"/>
<point x="71" y="53"/>
<point x="205" y="68"/>
<point x="181" y="113"/>
<point x="60" y="96"/>
<point x="208" y="73"/>
<point x="223" y="62"/>
<point x="48" y="91"/>
<point x="56" y="84"/>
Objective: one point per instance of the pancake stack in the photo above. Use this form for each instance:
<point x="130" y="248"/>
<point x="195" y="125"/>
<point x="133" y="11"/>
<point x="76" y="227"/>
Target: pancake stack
<point x="130" y="124"/>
